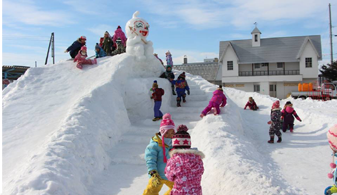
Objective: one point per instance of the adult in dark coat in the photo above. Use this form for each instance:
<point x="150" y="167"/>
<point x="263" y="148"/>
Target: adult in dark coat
<point x="76" y="46"/>
<point x="168" y="74"/>
<point x="107" y="44"/>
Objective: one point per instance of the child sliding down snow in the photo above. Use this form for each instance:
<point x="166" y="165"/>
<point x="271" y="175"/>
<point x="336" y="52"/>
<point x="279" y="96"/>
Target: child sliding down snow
<point x="288" y="118"/>
<point x="157" y="93"/>
<point x="275" y="122"/>
<point x="156" y="155"/>
<point x="251" y="104"/>
<point x="81" y="58"/>
<point x="181" y="86"/>
<point x="185" y="167"/>
<point x="218" y="100"/>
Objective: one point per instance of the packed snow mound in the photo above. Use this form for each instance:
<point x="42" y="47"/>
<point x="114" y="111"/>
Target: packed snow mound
<point x="59" y="122"/>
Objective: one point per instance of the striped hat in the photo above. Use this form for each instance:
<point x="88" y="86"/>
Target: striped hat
<point x="181" y="139"/>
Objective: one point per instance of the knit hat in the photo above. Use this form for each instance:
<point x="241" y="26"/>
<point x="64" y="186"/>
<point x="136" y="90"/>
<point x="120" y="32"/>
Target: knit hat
<point x="169" y="66"/>
<point x="97" y="46"/>
<point x="220" y="88"/>
<point x="181" y="139"/>
<point x="168" y="53"/>
<point x="83" y="38"/>
<point x="182" y="75"/>
<point x="276" y="105"/>
<point x="155" y="85"/>
<point x="118" y="27"/>
<point x="288" y="102"/>
<point x="83" y="48"/>
<point x="165" y="125"/>
<point x="332" y="138"/>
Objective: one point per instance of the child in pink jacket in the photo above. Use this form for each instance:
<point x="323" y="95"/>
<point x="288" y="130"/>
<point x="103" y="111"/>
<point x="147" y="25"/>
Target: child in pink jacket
<point x="81" y="58"/>
<point x="218" y="100"/>
<point x="185" y="167"/>
<point x="119" y="34"/>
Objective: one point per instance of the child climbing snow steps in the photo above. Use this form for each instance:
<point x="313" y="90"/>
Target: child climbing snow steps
<point x="156" y="155"/>
<point x="275" y="122"/>
<point x="181" y="87"/>
<point x="157" y="93"/>
<point x="185" y="167"/>
<point x="218" y="100"/>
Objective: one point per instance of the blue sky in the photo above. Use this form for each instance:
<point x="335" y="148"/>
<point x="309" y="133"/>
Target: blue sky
<point x="193" y="28"/>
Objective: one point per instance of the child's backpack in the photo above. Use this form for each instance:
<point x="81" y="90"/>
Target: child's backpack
<point x="181" y="85"/>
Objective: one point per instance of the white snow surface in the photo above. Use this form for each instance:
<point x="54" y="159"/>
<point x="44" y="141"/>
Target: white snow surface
<point x="71" y="131"/>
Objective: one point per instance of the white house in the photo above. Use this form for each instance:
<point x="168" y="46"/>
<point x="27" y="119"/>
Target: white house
<point x="271" y="66"/>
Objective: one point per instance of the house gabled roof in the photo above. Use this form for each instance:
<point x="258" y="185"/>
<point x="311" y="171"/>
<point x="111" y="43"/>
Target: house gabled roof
<point x="307" y="40"/>
<point x="226" y="46"/>
<point x="280" y="49"/>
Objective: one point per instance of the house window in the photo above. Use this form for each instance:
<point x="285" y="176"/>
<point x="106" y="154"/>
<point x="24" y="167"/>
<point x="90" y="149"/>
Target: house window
<point x="257" y="66"/>
<point x="229" y="65"/>
<point x="255" y="38"/>
<point x="257" y="88"/>
<point x="280" y="64"/>
<point x="265" y="64"/>
<point x="308" y="62"/>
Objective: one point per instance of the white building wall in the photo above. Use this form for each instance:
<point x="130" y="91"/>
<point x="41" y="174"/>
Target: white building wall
<point x="309" y="52"/>
<point x="292" y="66"/>
<point x="230" y="56"/>
<point x="245" y="67"/>
<point x="264" y="88"/>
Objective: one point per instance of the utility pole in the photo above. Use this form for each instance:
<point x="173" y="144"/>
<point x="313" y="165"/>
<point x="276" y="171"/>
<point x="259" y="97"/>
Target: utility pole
<point x="51" y="43"/>
<point x="331" y="46"/>
<point x="35" y="64"/>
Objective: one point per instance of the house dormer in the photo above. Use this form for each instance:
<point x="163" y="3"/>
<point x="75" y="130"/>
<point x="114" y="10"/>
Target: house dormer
<point x="256" y="35"/>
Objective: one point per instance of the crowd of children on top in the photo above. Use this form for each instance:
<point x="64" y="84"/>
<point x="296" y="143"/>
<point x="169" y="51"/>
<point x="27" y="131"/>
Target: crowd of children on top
<point x="108" y="46"/>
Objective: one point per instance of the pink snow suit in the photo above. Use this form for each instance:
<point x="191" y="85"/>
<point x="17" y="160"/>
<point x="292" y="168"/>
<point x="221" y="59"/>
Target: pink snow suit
<point x="218" y="99"/>
<point x="81" y="60"/>
<point x="119" y="34"/>
<point x="185" y="169"/>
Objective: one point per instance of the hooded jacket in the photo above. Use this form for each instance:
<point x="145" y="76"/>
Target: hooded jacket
<point x="119" y="34"/>
<point x="154" y="155"/>
<point x="185" y="169"/>
<point x="219" y="98"/>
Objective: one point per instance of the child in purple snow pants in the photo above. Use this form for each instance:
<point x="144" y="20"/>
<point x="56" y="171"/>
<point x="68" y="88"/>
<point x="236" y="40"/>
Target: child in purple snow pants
<point x="156" y="96"/>
<point x="218" y="99"/>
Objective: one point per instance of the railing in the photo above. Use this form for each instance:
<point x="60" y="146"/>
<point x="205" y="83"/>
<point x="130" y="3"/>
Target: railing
<point x="207" y="70"/>
<point x="269" y="73"/>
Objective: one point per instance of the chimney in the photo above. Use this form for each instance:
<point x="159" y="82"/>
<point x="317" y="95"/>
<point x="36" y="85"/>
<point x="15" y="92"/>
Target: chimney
<point x="185" y="59"/>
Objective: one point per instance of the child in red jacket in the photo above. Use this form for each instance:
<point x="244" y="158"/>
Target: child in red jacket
<point x="81" y="58"/>
<point x="251" y="104"/>
<point x="156" y="96"/>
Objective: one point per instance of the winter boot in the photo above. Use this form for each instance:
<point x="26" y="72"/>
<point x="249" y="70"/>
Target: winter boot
<point x="184" y="98"/>
<point x="79" y="66"/>
<point x="178" y="102"/>
<point x="155" y="119"/>
<point x="291" y="130"/>
<point x="271" y="141"/>
<point x="279" y="139"/>
<point x="173" y="92"/>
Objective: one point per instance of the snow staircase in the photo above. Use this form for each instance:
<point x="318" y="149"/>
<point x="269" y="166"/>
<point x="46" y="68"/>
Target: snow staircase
<point x="128" y="165"/>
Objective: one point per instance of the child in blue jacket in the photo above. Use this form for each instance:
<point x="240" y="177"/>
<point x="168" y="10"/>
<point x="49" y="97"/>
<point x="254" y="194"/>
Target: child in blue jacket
<point x="156" y="156"/>
<point x="99" y="51"/>
<point x="181" y="87"/>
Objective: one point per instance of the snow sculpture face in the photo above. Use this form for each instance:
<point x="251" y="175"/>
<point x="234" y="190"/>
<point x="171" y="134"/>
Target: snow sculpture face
<point x="332" y="138"/>
<point x="137" y="27"/>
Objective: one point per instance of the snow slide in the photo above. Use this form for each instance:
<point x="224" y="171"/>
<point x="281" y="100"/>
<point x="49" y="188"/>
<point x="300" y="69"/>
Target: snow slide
<point x="68" y="131"/>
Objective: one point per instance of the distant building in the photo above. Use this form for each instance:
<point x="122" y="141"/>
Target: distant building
<point x="270" y="66"/>
<point x="209" y="69"/>
<point x="11" y="73"/>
